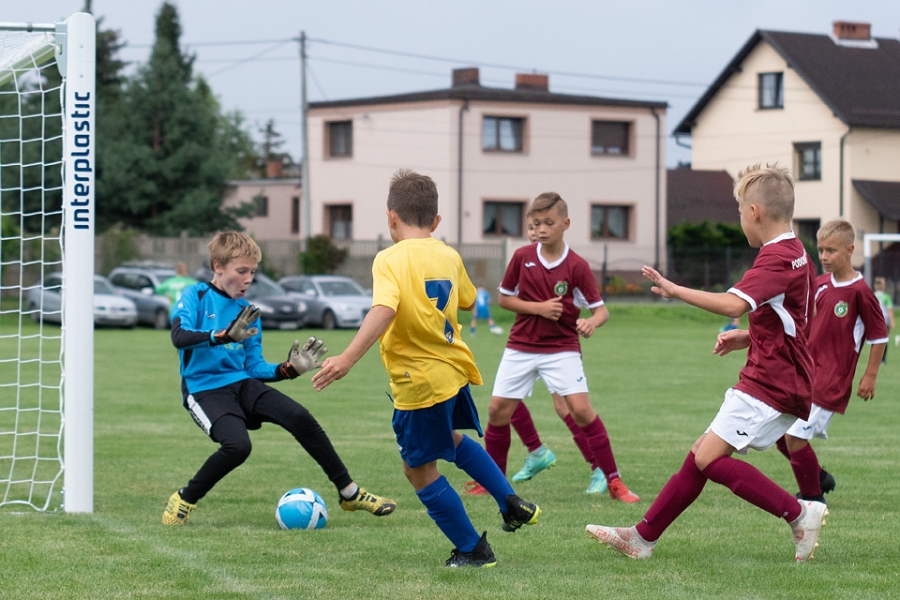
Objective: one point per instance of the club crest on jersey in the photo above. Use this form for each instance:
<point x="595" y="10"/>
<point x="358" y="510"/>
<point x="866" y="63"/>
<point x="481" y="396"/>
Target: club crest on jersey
<point x="561" y="288"/>
<point x="840" y="309"/>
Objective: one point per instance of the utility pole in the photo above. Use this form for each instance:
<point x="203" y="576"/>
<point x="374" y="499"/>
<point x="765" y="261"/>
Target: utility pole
<point x="305" y="229"/>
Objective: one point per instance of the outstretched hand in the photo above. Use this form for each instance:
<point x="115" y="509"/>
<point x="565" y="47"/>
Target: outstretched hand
<point x="662" y="286"/>
<point x="307" y="358"/>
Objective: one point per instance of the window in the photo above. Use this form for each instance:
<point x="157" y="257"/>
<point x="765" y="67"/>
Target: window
<point x="340" y="138"/>
<point x="340" y="222"/>
<point x="262" y="205"/>
<point x="503" y="218"/>
<point x="295" y="214"/>
<point x="808" y="158"/>
<point x="610" y="137"/>
<point x="807" y="229"/>
<point x="610" y="222"/>
<point x="771" y="90"/>
<point x="503" y="134"/>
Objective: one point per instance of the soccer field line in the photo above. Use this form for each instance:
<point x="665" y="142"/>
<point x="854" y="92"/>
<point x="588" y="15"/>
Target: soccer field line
<point x="196" y="561"/>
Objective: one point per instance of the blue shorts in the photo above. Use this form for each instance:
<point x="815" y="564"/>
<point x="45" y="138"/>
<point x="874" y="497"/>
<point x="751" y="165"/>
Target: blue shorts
<point x="426" y="434"/>
<point x="482" y="312"/>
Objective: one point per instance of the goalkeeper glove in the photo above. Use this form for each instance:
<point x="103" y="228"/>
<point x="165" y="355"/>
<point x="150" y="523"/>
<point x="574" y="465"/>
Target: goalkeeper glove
<point x="300" y="360"/>
<point x="239" y="329"/>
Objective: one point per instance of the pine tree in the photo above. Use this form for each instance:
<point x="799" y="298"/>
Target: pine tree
<point x="168" y="169"/>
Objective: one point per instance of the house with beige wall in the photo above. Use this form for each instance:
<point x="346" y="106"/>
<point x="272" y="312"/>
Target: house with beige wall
<point x="277" y="204"/>
<point x="490" y="152"/>
<point x="825" y="105"/>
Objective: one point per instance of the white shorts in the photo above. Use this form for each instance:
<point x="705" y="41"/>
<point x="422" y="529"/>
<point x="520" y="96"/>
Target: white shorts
<point x="816" y="426"/>
<point x="745" y="422"/>
<point x="562" y="372"/>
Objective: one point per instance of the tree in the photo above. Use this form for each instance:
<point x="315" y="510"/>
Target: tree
<point x="167" y="170"/>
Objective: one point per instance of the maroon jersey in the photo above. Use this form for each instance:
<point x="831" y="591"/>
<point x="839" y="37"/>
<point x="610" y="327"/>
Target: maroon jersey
<point x="530" y="277"/>
<point x="780" y="289"/>
<point x="846" y="314"/>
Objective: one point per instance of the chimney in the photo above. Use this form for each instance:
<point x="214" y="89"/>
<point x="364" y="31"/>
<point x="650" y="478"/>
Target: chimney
<point x="467" y="76"/>
<point x="532" y="81"/>
<point x="847" y="30"/>
<point x="274" y="169"/>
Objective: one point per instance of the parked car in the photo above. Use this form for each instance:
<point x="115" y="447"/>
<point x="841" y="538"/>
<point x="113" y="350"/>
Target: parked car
<point x="332" y="300"/>
<point x="111" y="308"/>
<point x="139" y="284"/>
<point x="279" y="310"/>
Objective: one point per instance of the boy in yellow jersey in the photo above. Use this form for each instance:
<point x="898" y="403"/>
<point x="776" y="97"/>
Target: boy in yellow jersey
<point x="418" y="285"/>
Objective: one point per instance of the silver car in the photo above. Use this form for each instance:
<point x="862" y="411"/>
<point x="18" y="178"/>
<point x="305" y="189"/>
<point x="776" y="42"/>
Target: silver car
<point x="44" y="303"/>
<point x="332" y="300"/>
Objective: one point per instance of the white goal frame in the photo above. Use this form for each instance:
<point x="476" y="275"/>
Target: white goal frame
<point x="868" y="239"/>
<point x="74" y="45"/>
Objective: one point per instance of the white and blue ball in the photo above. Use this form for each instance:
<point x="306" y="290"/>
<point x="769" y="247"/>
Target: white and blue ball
<point x="301" y="508"/>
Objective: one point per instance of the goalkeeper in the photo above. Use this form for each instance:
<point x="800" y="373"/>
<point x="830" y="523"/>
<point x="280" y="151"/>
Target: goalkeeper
<point x="223" y="372"/>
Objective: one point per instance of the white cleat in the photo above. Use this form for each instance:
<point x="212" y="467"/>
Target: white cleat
<point x="806" y="528"/>
<point x="622" y="539"/>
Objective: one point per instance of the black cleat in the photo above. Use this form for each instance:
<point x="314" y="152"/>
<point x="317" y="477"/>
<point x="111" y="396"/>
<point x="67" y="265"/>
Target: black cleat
<point x="519" y="513"/>
<point x="481" y="557"/>
<point x="826" y="481"/>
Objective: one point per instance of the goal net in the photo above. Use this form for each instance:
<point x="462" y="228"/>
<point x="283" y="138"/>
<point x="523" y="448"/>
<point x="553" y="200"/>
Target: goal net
<point x="47" y="140"/>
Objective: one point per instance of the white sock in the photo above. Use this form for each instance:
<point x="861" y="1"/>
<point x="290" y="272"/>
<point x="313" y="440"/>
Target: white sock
<point x="350" y="491"/>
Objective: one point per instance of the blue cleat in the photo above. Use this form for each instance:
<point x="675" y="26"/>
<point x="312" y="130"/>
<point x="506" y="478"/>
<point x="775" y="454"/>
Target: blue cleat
<point x="535" y="462"/>
<point x="598" y="482"/>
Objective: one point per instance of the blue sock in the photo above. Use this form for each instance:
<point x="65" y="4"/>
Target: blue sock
<point x="478" y="464"/>
<point x="447" y="510"/>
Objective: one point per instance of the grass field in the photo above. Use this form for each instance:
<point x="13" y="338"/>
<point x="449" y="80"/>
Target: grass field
<point x="653" y="380"/>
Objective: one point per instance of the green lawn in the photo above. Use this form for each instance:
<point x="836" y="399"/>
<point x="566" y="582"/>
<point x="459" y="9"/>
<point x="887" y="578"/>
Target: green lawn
<point x="655" y="383"/>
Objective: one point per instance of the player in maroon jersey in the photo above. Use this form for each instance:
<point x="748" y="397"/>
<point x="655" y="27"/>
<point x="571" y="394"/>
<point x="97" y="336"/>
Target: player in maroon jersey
<point x="545" y="285"/>
<point x="775" y="386"/>
<point x="847" y="312"/>
<point x="539" y="456"/>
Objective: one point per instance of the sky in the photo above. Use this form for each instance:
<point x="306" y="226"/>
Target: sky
<point x="659" y="50"/>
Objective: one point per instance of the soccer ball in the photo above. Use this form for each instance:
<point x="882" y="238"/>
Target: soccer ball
<point x="301" y="508"/>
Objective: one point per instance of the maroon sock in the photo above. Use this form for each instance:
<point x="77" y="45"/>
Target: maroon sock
<point x="678" y="493"/>
<point x="581" y="441"/>
<point x="781" y="444"/>
<point x="748" y="483"/>
<point x="598" y="440"/>
<point x="806" y="469"/>
<point x="496" y="442"/>
<point x="523" y="424"/>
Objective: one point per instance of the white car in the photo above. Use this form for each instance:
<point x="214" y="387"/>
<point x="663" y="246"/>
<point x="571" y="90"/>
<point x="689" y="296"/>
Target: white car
<point x="111" y="308"/>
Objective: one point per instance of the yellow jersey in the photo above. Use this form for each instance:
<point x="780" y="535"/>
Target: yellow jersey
<point x="425" y="282"/>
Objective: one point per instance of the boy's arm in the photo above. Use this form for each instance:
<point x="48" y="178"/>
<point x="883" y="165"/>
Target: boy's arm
<point x="549" y="309"/>
<point x="728" y="341"/>
<point x="723" y="303"/>
<point x="599" y="317"/>
<point x="866" y="389"/>
<point x="336" y="367"/>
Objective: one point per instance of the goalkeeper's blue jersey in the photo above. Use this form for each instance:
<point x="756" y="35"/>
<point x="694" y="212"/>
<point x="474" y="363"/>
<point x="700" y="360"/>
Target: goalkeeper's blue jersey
<point x="201" y="311"/>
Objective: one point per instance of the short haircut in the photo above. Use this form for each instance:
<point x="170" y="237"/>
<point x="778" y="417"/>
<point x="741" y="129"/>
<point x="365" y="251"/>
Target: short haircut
<point x="413" y="197"/>
<point x="774" y="185"/>
<point x="839" y="228"/>
<point x="228" y="245"/>
<point x="880" y="283"/>
<point x="546" y="201"/>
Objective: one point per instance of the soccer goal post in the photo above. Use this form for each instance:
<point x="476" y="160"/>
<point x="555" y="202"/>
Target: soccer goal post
<point x="47" y="213"/>
<point x="868" y="240"/>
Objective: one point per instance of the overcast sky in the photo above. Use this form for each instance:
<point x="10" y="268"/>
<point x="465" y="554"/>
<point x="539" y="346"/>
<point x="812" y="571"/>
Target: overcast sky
<point x="665" y="50"/>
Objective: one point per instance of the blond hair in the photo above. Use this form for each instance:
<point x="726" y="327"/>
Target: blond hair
<point x="839" y="228"/>
<point x="546" y="201"/>
<point x="413" y="197"/>
<point x="774" y="186"/>
<point x="228" y="245"/>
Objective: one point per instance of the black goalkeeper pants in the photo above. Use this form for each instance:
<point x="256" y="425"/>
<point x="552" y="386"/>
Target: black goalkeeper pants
<point x="252" y="403"/>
